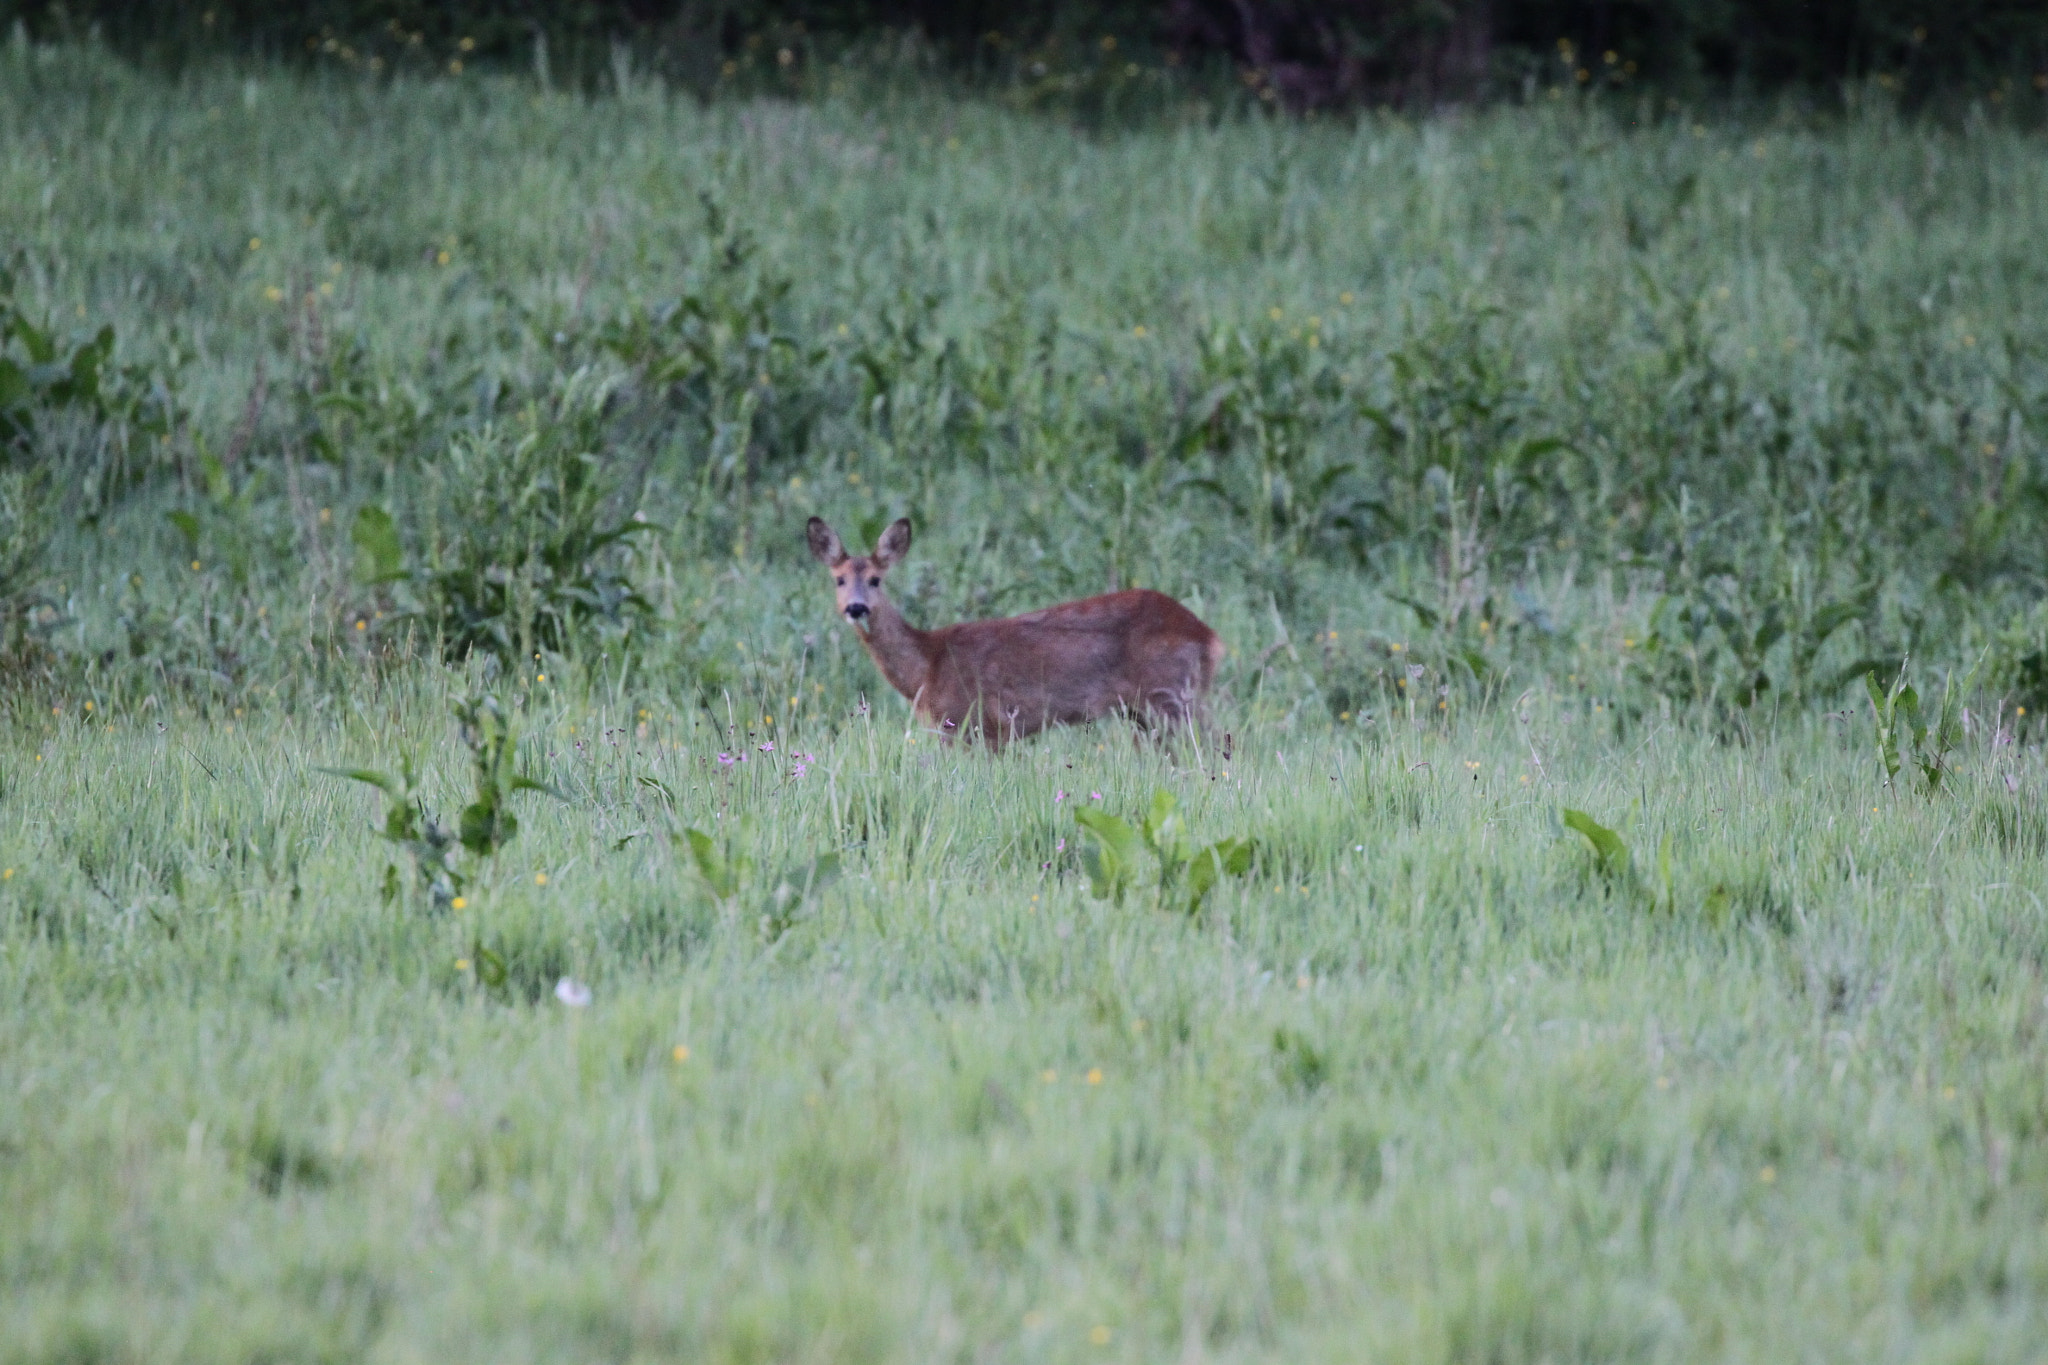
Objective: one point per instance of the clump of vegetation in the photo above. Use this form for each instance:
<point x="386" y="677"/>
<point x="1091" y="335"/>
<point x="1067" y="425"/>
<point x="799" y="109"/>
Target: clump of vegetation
<point x="1616" y="865"/>
<point x="1183" y="872"/>
<point x="728" y="873"/>
<point x="127" y="412"/>
<point x="525" y="550"/>
<point x="25" y="507"/>
<point x="1902" y="735"/>
<point x="39" y="373"/>
<point x="485" y="825"/>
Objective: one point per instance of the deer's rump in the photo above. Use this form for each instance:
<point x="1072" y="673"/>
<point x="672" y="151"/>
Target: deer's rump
<point x="1138" y="652"/>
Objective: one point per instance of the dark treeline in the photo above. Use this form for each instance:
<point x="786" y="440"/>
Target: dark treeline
<point x="1304" y="53"/>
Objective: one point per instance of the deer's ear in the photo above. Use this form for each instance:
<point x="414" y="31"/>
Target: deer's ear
<point x="825" y="546"/>
<point x="894" y="543"/>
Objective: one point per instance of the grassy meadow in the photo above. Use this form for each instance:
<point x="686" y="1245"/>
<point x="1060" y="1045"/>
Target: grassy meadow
<point x="1615" y="977"/>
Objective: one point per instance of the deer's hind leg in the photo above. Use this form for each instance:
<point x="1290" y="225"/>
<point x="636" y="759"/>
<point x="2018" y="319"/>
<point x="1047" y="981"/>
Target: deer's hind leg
<point x="1165" y="716"/>
<point x="1180" y="707"/>
<point x="1176" y="698"/>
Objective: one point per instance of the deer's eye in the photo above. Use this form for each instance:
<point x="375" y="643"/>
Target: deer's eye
<point x="874" y="582"/>
<point x="840" y="581"/>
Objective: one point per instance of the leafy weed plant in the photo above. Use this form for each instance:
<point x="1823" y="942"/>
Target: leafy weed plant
<point x="485" y="825"/>
<point x="1183" y="873"/>
<point x="1902" y="735"/>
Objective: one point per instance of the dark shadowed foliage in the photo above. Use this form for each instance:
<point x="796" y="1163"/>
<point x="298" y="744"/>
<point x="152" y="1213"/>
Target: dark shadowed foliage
<point x="1303" y="53"/>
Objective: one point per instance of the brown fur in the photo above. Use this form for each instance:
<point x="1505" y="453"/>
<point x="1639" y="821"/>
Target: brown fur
<point x="1138" y="653"/>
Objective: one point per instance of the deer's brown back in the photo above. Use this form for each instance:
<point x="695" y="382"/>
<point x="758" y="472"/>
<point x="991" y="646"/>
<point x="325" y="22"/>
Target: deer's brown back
<point x="1075" y="662"/>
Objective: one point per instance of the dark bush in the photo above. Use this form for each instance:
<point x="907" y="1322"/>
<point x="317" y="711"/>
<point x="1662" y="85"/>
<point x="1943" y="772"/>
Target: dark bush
<point x="1305" y="53"/>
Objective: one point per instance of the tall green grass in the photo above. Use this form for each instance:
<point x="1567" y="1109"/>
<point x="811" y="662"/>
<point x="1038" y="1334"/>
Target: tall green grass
<point x="1762" y="395"/>
<point x="1429" y="1084"/>
<point x="1570" y="457"/>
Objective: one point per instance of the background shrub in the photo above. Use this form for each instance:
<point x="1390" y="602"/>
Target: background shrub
<point x="1304" y="54"/>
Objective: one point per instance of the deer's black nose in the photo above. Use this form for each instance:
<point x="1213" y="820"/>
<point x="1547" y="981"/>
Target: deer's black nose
<point x="856" y="610"/>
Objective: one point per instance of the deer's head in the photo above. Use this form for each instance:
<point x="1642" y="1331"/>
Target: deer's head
<point x="857" y="579"/>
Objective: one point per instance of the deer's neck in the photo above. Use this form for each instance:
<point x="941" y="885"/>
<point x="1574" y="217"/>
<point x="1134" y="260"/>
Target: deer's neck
<point x="899" y="649"/>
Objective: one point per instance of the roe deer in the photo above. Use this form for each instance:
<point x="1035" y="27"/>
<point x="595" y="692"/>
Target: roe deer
<point x="1138" y="652"/>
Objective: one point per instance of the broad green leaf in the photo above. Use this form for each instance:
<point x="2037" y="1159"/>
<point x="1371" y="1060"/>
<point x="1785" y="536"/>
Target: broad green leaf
<point x="187" y="527"/>
<point x="1105" y="871"/>
<point x="382" y="781"/>
<point x="522" y="783"/>
<point x="1608" y="848"/>
<point x="719" y="873"/>
<point x="1908" y="706"/>
<point x="85" y="366"/>
<point x="13" y="385"/>
<point x="1163" y="803"/>
<point x="1109" y="857"/>
<point x="41" y="349"/>
<point x="1111" y="832"/>
<point x="379" y="556"/>
<point x="710" y="862"/>
<point x="1769" y="633"/>
<point x="1887" y="735"/>
<point x="218" y="486"/>
<point x="1425" y="614"/>
<point x="1227" y="857"/>
<point x="402" y="822"/>
<point x="1203" y="871"/>
<point x="487" y="827"/>
<point x="1162" y="829"/>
